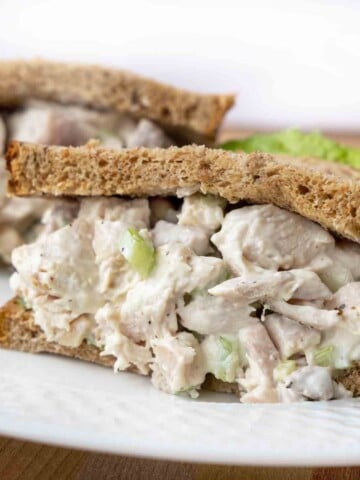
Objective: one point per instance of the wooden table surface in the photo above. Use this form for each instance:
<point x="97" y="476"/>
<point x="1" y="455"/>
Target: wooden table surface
<point x="29" y="461"/>
<point x="21" y="460"/>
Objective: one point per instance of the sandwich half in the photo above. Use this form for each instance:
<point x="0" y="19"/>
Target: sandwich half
<point x="68" y="104"/>
<point x="199" y="267"/>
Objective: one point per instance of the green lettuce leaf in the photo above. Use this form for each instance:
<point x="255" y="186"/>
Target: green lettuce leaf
<point x="298" y="144"/>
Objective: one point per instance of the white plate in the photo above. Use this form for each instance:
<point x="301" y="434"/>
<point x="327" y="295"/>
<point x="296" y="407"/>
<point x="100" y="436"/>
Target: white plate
<point x="74" y="404"/>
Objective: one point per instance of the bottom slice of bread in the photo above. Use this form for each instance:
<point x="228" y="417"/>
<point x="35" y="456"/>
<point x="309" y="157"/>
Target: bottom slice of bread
<point x="19" y="332"/>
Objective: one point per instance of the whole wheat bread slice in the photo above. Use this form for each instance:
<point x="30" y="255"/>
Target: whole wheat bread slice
<point x="322" y="191"/>
<point x="19" y="332"/>
<point x="187" y="115"/>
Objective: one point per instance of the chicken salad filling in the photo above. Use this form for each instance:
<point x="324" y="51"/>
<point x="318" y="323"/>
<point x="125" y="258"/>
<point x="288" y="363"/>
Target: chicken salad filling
<point x="54" y="124"/>
<point x="254" y="295"/>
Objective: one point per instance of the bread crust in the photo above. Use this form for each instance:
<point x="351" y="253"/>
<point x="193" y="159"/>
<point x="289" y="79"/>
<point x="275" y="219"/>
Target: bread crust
<point x="322" y="191"/>
<point x="187" y="115"/>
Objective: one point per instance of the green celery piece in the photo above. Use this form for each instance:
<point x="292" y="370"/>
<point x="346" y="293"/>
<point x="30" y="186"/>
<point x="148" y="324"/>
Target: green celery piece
<point x="21" y="302"/>
<point x="227" y="345"/>
<point x="283" y="369"/>
<point x="138" y="251"/>
<point x="298" y="144"/>
<point x="323" y="357"/>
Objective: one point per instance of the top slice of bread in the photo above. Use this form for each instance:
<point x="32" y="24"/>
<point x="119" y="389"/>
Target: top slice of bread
<point x="187" y="115"/>
<point x="322" y="191"/>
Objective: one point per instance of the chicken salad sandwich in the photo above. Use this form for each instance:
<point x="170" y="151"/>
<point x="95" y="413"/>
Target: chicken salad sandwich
<point x="199" y="267"/>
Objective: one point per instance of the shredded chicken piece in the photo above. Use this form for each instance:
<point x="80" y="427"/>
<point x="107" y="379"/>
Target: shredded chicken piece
<point x="177" y="365"/>
<point x="271" y="238"/>
<point x="306" y="314"/>
<point x="193" y="237"/>
<point x="289" y="336"/>
<point x="261" y="353"/>
<point x="312" y="382"/>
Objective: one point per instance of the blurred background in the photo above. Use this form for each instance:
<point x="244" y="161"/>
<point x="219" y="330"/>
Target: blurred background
<point x="291" y="64"/>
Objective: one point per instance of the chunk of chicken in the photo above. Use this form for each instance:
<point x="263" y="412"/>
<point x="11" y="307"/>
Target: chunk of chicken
<point x="193" y="237"/>
<point x="271" y="238"/>
<point x="148" y="134"/>
<point x="309" y="286"/>
<point x="347" y="301"/>
<point x="202" y="211"/>
<point x="178" y="364"/>
<point x="256" y="286"/>
<point x="149" y="312"/>
<point x="289" y="336"/>
<point x="261" y="394"/>
<point x="347" y="253"/>
<point x="261" y="353"/>
<point x="252" y="287"/>
<point x="132" y="212"/>
<point x="214" y="315"/>
<point x="50" y="123"/>
<point x="22" y="212"/>
<point x="345" y="266"/>
<point x="77" y="331"/>
<point x="59" y="214"/>
<point x="116" y="275"/>
<point x="306" y="314"/>
<point x="312" y="382"/>
<point x="60" y="268"/>
<point x="347" y="296"/>
<point x="287" y="395"/>
<point x="125" y="350"/>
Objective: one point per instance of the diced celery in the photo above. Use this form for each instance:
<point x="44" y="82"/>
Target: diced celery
<point x="323" y="357"/>
<point x="283" y="369"/>
<point x="138" y="251"/>
<point x="224" y="358"/>
<point x="191" y="391"/>
<point x="21" y="302"/>
<point x="227" y="345"/>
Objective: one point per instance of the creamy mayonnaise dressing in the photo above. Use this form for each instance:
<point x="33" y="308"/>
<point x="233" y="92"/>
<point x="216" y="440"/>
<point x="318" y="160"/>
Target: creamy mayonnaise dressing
<point x="254" y="295"/>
